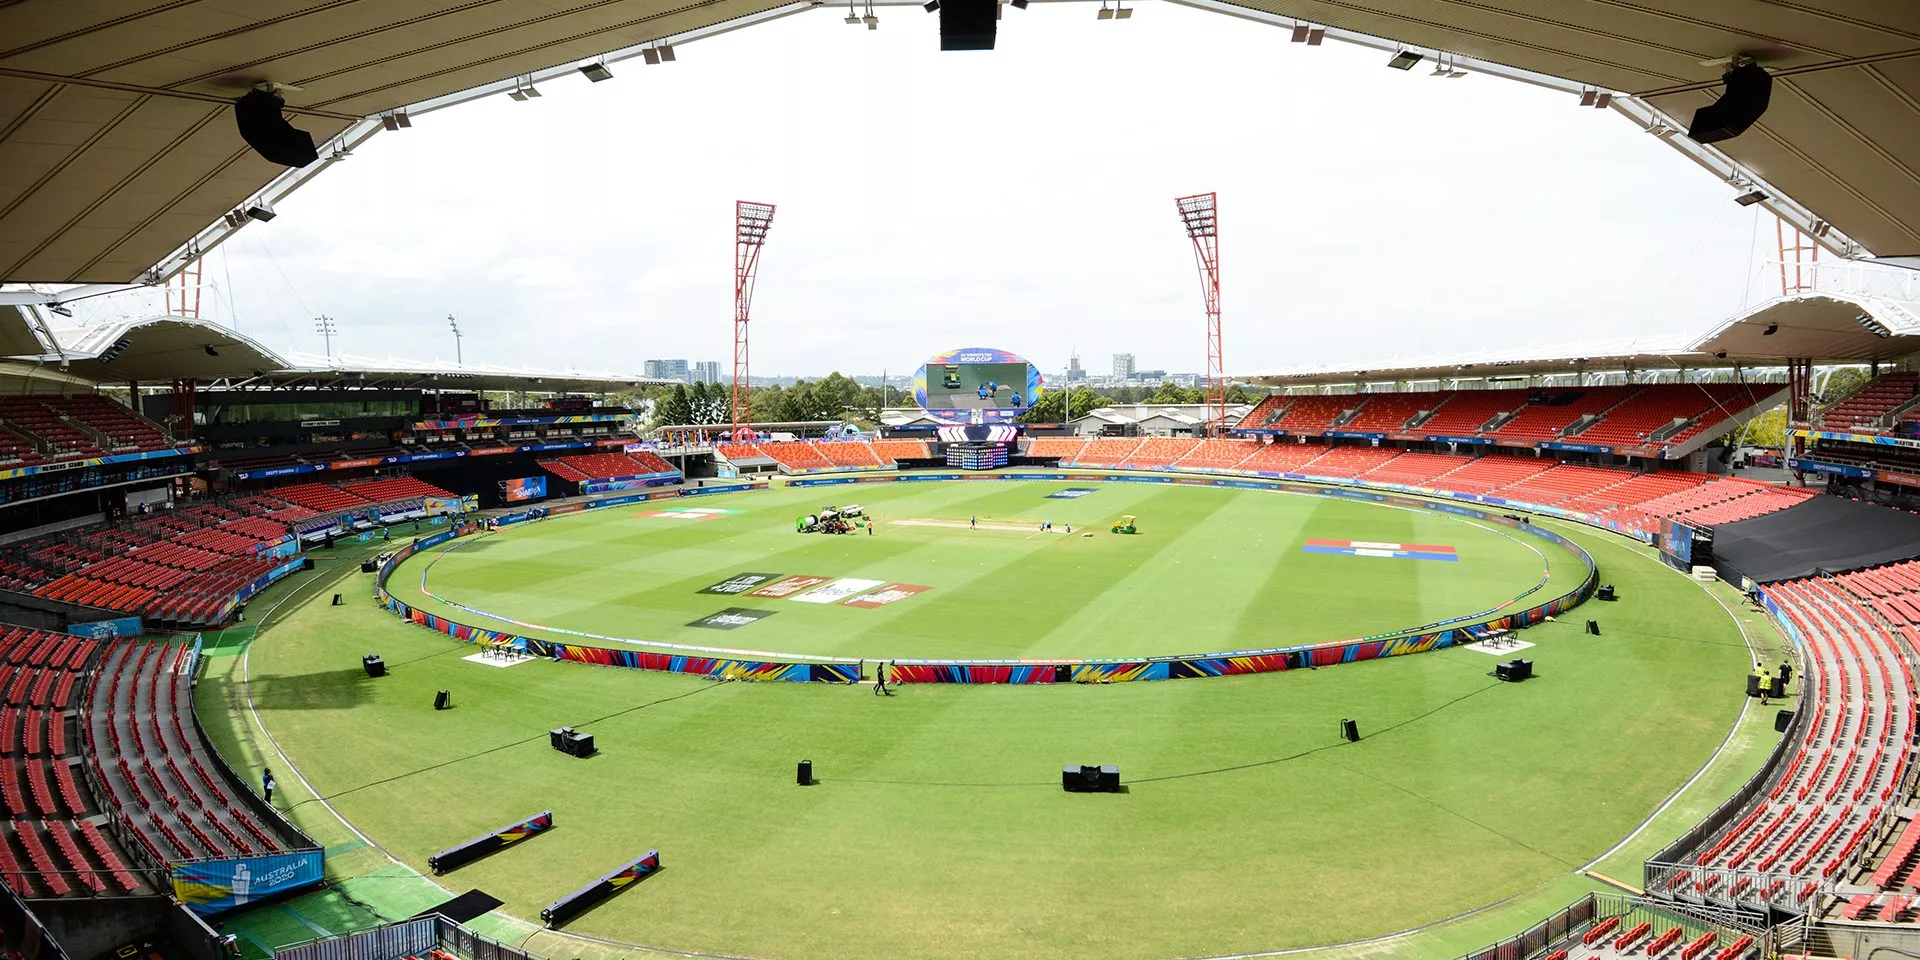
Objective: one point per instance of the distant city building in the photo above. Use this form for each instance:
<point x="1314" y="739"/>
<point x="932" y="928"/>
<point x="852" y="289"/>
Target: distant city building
<point x="706" y="371"/>
<point x="1074" y="371"/>
<point x="666" y="370"/>
<point x="1149" y="374"/>
<point x="1123" y="366"/>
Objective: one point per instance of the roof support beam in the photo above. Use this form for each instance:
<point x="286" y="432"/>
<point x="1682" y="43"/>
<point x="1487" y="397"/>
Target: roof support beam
<point x="66" y="81"/>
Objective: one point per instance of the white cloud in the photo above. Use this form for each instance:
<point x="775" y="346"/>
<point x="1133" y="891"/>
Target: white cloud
<point x="1021" y="198"/>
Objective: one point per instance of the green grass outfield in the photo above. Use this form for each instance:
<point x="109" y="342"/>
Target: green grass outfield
<point x="1212" y="569"/>
<point x="939" y="828"/>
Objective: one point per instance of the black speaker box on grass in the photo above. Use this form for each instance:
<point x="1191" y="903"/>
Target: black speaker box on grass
<point x="374" y="666"/>
<point x="1782" y="720"/>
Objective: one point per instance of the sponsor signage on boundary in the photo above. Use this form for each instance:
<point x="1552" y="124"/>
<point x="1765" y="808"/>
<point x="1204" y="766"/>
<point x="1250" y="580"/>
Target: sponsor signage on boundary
<point x="471" y="422"/>
<point x="741" y="583"/>
<point x="1575" y="447"/>
<point x="266" y="580"/>
<point x="1837" y="469"/>
<point x="96" y="462"/>
<point x="104" y="629"/>
<point x="1872" y="438"/>
<point x="732" y="618"/>
<point x="786" y="588"/>
<point x="1354" y="435"/>
<point x="778" y="667"/>
<point x="630" y="483"/>
<point x="444" y="506"/>
<point x="207" y="887"/>
<point x="267" y="472"/>
<point x="1395" y="551"/>
<point x="1906" y="479"/>
<point x="891" y="593"/>
<point x="517" y="489"/>
<point x="1470" y="441"/>
<point x="1070" y="493"/>
<point x="838" y="590"/>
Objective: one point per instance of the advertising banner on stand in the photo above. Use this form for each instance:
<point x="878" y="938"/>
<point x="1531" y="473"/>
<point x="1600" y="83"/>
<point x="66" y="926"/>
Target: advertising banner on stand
<point x="208" y="887"/>
<point x="524" y="488"/>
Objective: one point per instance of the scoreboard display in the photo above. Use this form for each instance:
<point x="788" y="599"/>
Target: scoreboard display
<point x="977" y="385"/>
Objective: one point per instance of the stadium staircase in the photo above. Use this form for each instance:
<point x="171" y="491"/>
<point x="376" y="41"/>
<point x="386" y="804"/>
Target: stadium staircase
<point x="1314" y="415"/>
<point x="607" y="466"/>
<point x="1872" y="407"/>
<point x="1640" y="500"/>
<point x="186" y="568"/>
<point x="1836" y="792"/>
<point x="1468" y="412"/>
<point x="1643" y="416"/>
<point x="1391" y="412"/>
<point x="1266" y="413"/>
<point x="38" y="429"/>
<point x="1066" y="448"/>
<point x="1551" y="413"/>
<point x="805" y="455"/>
<point x="160" y="774"/>
<point x="1215" y="455"/>
<point x="56" y="837"/>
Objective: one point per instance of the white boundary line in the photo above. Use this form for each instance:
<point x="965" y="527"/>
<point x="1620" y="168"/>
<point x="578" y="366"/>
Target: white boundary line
<point x="1745" y="704"/>
<point x="443" y="550"/>
<point x="246" y="685"/>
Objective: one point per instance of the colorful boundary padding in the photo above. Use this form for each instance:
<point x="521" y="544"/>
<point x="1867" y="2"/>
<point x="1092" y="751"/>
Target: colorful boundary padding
<point x="1229" y="663"/>
<point x="569" y="906"/>
<point x="486" y="843"/>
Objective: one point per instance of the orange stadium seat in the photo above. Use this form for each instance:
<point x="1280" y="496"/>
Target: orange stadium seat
<point x="1389" y="412"/>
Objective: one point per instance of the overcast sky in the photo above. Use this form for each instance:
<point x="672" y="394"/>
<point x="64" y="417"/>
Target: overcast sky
<point x="1020" y="198"/>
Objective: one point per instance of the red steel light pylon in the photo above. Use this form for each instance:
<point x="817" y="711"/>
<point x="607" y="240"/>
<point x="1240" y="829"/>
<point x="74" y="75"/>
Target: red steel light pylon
<point x="183" y="291"/>
<point x="1198" y="214"/>
<point x="1799" y="258"/>
<point x="750" y="223"/>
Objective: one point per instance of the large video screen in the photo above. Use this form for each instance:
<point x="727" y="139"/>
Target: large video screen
<point x="977" y="385"/>
<point x="524" y="488"/>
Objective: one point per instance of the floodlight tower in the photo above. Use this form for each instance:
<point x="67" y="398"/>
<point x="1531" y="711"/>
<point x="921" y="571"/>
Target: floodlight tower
<point x="750" y="223"/>
<point x="1199" y="215"/>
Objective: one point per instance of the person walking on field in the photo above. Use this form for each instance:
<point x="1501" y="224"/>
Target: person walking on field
<point x="266" y="783"/>
<point x="880" y="680"/>
<point x="973" y="523"/>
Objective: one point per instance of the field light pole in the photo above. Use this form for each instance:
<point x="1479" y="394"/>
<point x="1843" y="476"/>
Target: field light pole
<point x="750" y="224"/>
<point x="327" y="332"/>
<point x="459" y="360"/>
<point x="1199" y="215"/>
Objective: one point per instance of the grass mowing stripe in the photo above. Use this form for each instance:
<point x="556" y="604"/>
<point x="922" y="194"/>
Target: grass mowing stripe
<point x="1571" y="761"/>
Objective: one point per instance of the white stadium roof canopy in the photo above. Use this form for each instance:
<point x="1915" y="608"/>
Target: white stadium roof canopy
<point x="1824" y="327"/>
<point x="162" y="349"/>
<point x="120" y="160"/>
